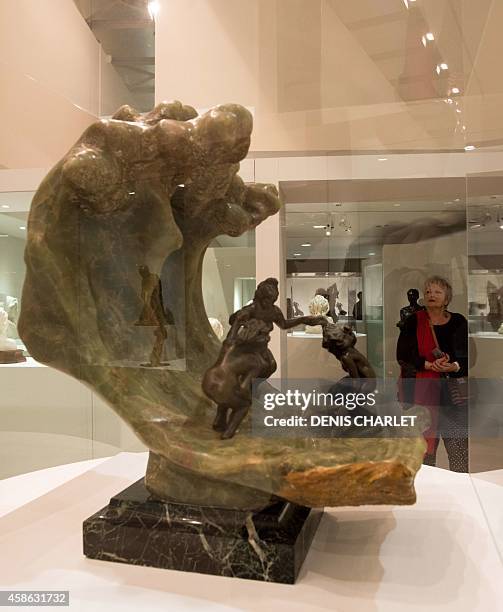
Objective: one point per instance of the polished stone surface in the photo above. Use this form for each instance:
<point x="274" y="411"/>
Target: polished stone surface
<point x="269" y="545"/>
<point x="154" y="190"/>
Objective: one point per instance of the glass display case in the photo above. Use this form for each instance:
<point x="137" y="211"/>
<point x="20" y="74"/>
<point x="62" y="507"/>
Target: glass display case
<point x="364" y="256"/>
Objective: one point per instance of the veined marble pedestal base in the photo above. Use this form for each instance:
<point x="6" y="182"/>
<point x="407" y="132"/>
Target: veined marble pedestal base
<point x="268" y="545"/>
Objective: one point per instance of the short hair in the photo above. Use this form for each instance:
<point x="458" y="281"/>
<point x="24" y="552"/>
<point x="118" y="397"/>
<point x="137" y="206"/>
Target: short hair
<point x="442" y="282"/>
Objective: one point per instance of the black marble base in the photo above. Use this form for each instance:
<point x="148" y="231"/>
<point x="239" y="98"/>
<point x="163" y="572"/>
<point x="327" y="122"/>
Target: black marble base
<point x="268" y="545"/>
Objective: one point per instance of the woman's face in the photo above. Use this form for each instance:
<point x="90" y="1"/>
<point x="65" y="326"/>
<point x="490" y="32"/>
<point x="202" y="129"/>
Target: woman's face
<point x="435" y="296"/>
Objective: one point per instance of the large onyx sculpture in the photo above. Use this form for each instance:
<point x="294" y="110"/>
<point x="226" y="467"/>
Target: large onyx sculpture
<point x="149" y="192"/>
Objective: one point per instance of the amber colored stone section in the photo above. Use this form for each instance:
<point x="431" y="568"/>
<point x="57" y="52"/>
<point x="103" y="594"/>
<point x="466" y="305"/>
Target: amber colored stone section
<point x="356" y="484"/>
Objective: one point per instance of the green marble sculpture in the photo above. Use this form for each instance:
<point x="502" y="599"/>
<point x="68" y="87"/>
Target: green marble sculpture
<point x="153" y="190"/>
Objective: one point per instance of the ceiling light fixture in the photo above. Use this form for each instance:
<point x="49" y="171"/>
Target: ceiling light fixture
<point x="469" y="147"/>
<point x="319" y="226"/>
<point x="5" y="206"/>
<point x="429" y="36"/>
<point x="382" y="159"/>
<point x="22" y="227"/>
<point x="297" y="254"/>
<point x="306" y="244"/>
<point x="153" y="8"/>
<point x="328" y="233"/>
<point x="455" y="90"/>
<point x="4" y="235"/>
<point x="444" y="66"/>
<point x="372" y="253"/>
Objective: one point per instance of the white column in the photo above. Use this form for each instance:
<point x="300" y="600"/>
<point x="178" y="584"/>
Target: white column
<point x="270" y="258"/>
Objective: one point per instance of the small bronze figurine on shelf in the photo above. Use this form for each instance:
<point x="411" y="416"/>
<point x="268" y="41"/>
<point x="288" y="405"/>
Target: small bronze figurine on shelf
<point x="340" y="340"/>
<point x="154" y="314"/>
<point x="245" y="356"/>
<point x="406" y="311"/>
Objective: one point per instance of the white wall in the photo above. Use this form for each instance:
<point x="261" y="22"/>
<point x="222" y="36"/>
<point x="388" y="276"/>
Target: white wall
<point x="12" y="268"/>
<point x="314" y="84"/>
<point x="48" y="418"/>
<point x="221" y="266"/>
<point x="50" y="81"/>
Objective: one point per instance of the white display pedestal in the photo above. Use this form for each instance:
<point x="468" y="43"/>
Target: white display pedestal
<point x="436" y="555"/>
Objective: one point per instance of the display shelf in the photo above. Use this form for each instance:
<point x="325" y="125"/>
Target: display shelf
<point x="29" y="363"/>
<point x="301" y="334"/>
<point x="438" y="554"/>
<point x="486" y="334"/>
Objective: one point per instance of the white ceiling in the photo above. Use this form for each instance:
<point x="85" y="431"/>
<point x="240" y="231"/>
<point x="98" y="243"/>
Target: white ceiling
<point x="371" y="225"/>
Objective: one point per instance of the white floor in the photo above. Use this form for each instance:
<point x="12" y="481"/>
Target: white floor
<point x="436" y="555"/>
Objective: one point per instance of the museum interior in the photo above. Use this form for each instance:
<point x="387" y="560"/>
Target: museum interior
<point x="380" y="125"/>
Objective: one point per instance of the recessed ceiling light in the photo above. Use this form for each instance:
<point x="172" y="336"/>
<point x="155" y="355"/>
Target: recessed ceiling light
<point x="5" y="206"/>
<point x="4" y="235"/>
<point x="306" y="244"/>
<point x="319" y="226"/>
<point x="22" y="227"/>
<point x="397" y="204"/>
<point x="458" y="110"/>
<point x="297" y="254"/>
<point x="469" y="147"/>
<point x="153" y="8"/>
<point x="372" y="253"/>
<point x="328" y="233"/>
<point x="501" y="226"/>
<point x="429" y="36"/>
<point x="382" y="159"/>
<point x="455" y="90"/>
<point x="444" y="66"/>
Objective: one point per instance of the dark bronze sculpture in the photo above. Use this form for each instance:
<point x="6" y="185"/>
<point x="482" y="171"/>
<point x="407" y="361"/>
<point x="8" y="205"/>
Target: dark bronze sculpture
<point x="245" y="356"/>
<point x="153" y="311"/>
<point x="154" y="314"/>
<point x="495" y="301"/>
<point x="340" y="340"/>
<point x="406" y="311"/>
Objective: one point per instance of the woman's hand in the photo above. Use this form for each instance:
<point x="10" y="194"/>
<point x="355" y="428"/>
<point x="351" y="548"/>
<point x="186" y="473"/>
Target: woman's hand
<point x="444" y="365"/>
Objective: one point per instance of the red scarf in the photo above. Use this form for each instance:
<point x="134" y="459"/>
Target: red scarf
<point x="427" y="388"/>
